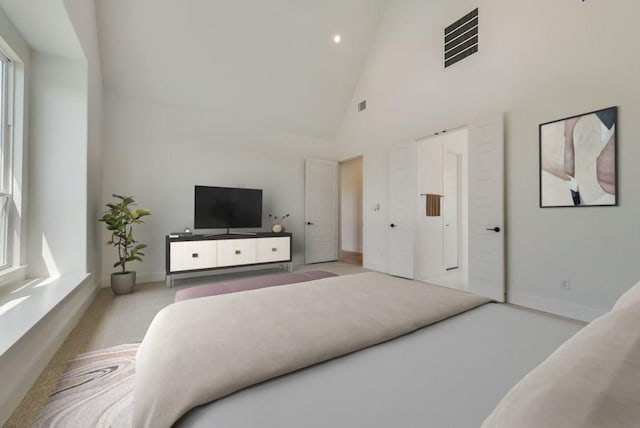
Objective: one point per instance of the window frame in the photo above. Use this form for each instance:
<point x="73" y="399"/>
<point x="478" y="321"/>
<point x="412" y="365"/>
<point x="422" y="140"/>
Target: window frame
<point x="6" y="159"/>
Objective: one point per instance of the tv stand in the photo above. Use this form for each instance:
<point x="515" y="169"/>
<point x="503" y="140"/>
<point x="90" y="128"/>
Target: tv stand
<point x="197" y="253"/>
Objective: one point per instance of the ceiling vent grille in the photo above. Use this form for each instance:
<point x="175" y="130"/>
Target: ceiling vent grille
<point x="461" y="38"/>
<point x="362" y="105"/>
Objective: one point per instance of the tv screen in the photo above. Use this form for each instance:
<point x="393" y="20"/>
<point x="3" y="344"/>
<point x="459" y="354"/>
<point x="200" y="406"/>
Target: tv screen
<point x="225" y="207"/>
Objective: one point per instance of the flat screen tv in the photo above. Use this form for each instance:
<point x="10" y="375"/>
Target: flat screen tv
<point x="226" y="207"/>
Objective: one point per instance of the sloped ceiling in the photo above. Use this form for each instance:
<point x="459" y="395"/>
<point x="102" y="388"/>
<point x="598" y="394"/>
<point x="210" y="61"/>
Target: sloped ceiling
<point x="269" y="62"/>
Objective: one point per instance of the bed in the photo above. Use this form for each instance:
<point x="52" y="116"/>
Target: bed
<point x="451" y="373"/>
<point x="249" y="283"/>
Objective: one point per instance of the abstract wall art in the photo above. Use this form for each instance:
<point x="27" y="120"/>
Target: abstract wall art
<point x="578" y="160"/>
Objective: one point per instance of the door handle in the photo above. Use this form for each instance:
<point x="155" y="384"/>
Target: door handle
<point x="309" y="223"/>
<point x="392" y="225"/>
<point x="494" y="229"/>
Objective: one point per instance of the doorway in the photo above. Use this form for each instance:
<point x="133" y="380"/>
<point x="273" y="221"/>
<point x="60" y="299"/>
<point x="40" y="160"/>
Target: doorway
<point x="351" y="211"/>
<point x="442" y="250"/>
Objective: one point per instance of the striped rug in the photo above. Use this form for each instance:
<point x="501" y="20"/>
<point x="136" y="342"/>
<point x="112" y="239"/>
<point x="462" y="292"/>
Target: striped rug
<point x="96" y="390"/>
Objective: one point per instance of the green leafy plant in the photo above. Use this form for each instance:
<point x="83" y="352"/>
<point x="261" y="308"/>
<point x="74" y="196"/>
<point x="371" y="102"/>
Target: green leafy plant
<point x="119" y="219"/>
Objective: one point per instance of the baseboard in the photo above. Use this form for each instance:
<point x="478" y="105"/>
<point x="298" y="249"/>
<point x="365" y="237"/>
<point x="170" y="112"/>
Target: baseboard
<point x="356" y="250"/>
<point x="144" y="278"/>
<point x="21" y="365"/>
<point x="378" y="267"/>
<point x="141" y="278"/>
<point x="565" y="309"/>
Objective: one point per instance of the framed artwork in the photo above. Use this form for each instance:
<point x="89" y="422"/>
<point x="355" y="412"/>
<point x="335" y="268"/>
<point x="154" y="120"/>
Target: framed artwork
<point x="578" y="160"/>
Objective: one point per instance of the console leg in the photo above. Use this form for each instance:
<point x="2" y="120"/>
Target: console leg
<point x="169" y="281"/>
<point x="290" y="266"/>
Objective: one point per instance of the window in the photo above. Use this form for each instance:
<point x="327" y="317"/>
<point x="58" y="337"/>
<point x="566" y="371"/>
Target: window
<point x="6" y="107"/>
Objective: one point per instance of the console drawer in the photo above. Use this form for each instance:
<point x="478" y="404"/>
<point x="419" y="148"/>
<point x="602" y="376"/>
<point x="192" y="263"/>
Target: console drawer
<point x="233" y="252"/>
<point x="191" y="255"/>
<point x="273" y="250"/>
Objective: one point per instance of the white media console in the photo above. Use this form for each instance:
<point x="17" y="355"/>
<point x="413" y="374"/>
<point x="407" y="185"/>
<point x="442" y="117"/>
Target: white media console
<point x="196" y="253"/>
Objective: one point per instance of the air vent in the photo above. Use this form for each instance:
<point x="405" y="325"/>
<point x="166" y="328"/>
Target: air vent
<point x="461" y="38"/>
<point x="362" y="105"/>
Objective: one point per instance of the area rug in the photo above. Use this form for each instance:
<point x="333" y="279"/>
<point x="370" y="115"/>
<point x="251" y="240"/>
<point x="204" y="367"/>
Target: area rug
<point x="95" y="390"/>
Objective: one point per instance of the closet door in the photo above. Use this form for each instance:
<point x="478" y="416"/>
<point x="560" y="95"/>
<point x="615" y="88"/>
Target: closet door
<point x="402" y="191"/>
<point x="486" y="207"/>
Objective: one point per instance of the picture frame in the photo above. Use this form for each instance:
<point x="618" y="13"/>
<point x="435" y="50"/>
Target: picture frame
<point x="578" y="160"/>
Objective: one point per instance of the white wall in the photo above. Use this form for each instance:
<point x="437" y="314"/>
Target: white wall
<point x="82" y="14"/>
<point x="351" y="205"/>
<point x="159" y="152"/>
<point x="538" y="61"/>
<point x="58" y="167"/>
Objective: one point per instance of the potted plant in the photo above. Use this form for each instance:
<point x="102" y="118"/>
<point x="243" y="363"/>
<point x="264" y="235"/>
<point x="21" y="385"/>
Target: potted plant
<point x="119" y="219"/>
<point x="277" y="222"/>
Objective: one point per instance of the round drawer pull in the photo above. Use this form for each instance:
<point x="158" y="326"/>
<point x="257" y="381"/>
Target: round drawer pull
<point x="194" y="255"/>
<point x="274" y="249"/>
<point x="238" y="252"/>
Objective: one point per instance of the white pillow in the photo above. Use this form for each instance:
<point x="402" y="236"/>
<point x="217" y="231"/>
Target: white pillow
<point x="629" y="297"/>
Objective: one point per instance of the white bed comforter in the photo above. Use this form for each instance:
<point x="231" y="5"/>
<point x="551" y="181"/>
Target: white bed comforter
<point x="199" y="350"/>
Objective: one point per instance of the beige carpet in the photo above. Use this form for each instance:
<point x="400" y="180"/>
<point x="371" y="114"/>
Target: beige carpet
<point x="115" y="320"/>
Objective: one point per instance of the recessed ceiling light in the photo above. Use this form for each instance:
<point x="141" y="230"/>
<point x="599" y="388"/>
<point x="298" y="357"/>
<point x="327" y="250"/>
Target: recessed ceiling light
<point x="337" y="38"/>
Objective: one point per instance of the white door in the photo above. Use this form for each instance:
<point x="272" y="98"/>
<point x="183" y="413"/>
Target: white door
<point x="486" y="208"/>
<point x="321" y="210"/>
<point x="402" y="191"/>
<point x="450" y="210"/>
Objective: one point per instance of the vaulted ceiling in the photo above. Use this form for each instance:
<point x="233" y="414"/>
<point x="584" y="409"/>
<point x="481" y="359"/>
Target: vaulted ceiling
<point x="268" y="62"/>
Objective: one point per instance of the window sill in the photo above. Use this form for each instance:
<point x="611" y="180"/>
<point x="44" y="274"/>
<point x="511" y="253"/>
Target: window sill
<point x="11" y="276"/>
<point x="24" y="304"/>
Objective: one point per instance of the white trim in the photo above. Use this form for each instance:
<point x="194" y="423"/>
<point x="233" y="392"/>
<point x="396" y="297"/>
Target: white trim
<point x="6" y="157"/>
<point x="378" y="267"/>
<point x="558" y="307"/>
